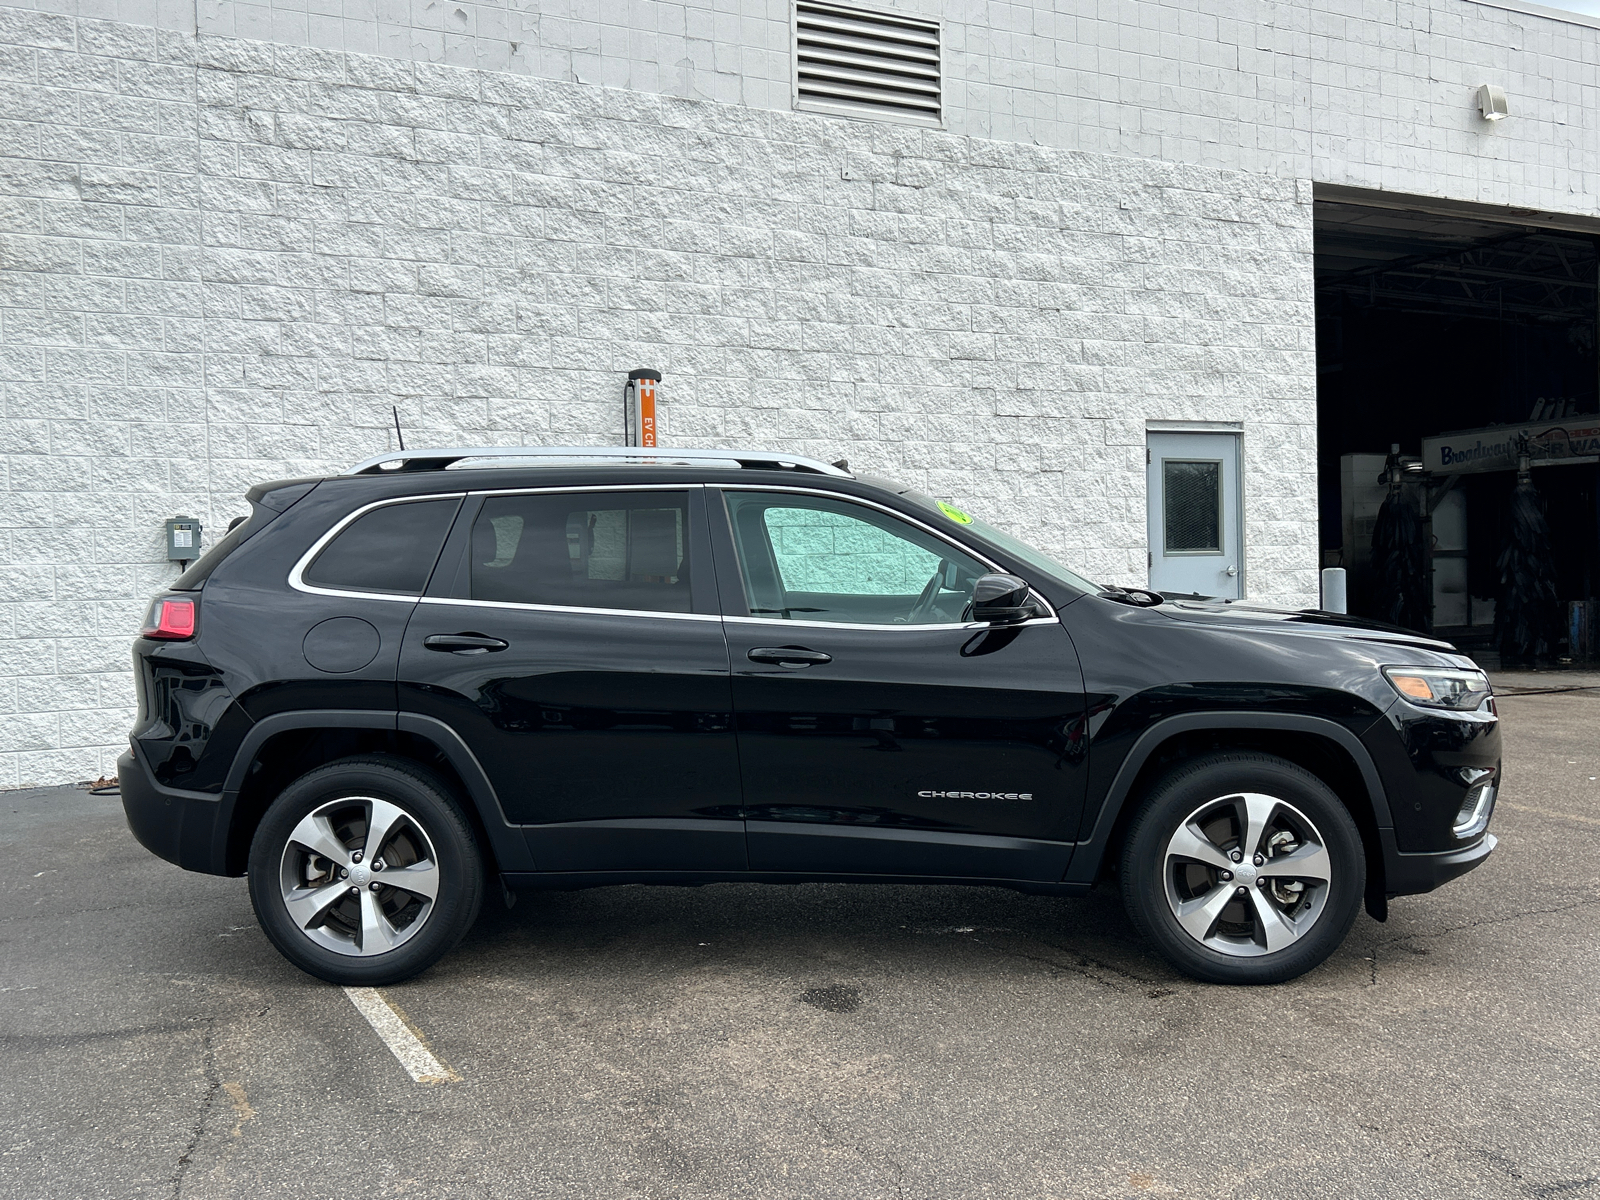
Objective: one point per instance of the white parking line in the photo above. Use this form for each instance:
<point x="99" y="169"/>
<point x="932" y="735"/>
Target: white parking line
<point x="390" y="1024"/>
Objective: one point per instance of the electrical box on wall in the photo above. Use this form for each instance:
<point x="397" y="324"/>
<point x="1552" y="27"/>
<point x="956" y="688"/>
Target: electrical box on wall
<point x="183" y="539"/>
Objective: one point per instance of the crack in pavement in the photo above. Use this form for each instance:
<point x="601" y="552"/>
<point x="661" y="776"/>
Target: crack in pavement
<point x="899" y="1170"/>
<point x="1400" y="940"/>
<point x="208" y="1058"/>
<point x="61" y="1041"/>
<point x="1486" y="921"/>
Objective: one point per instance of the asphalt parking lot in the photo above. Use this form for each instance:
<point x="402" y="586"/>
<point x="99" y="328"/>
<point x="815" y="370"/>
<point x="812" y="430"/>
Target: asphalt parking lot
<point x="817" y="1041"/>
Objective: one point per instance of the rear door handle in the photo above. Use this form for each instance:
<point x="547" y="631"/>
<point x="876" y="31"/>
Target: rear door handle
<point x="789" y="656"/>
<point x="463" y="643"/>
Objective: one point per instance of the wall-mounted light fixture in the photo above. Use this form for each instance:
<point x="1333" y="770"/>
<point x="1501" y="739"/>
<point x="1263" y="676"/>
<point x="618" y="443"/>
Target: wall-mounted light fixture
<point x="1492" y="103"/>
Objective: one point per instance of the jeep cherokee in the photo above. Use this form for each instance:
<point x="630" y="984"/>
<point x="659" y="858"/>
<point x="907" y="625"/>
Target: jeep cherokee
<point x="562" y="668"/>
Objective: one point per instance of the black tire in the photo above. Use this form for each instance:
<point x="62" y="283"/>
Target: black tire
<point x="431" y="843"/>
<point x="1159" y="880"/>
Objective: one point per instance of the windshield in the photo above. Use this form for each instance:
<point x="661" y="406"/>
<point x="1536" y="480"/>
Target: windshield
<point x="949" y="514"/>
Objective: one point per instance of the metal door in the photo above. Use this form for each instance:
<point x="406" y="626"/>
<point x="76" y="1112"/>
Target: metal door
<point x="879" y="733"/>
<point x="572" y="641"/>
<point x="1196" y="537"/>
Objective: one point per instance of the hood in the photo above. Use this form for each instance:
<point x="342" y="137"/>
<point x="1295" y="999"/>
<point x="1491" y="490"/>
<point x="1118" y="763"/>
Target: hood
<point x="1261" y="618"/>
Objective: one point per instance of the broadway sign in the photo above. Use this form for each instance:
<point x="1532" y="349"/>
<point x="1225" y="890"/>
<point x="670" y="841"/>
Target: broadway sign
<point x="1550" y="443"/>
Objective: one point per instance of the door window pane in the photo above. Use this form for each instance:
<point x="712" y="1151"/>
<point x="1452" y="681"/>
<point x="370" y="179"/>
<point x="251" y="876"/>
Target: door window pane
<point x="1192" y="496"/>
<point x="390" y="549"/>
<point x="624" y="550"/>
<point x="812" y="559"/>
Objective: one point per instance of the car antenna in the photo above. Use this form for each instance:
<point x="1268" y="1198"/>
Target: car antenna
<point x="400" y="437"/>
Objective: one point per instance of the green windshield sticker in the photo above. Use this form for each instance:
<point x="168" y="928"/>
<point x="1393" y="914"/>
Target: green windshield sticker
<point x="954" y="513"/>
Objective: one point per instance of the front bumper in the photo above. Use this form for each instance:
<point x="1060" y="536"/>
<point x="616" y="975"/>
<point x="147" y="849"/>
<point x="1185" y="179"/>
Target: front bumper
<point x="187" y="828"/>
<point x="1412" y="874"/>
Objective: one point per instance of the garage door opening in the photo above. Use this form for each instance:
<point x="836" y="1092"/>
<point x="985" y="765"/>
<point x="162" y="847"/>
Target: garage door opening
<point x="1453" y="345"/>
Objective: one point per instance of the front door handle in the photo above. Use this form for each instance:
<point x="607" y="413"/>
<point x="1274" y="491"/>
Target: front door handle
<point x="463" y="643"/>
<point x="789" y="656"/>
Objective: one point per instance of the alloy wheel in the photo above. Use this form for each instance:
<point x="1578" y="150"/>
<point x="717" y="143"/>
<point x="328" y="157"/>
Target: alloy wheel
<point x="1247" y="874"/>
<point x="359" y="876"/>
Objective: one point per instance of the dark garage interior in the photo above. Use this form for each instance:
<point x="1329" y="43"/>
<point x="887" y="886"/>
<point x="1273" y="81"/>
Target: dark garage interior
<point x="1431" y="322"/>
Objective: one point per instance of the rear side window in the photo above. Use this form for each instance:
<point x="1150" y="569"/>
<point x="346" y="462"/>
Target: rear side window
<point x="622" y="550"/>
<point x="390" y="549"/>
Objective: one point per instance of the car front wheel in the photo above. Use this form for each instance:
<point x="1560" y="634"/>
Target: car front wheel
<point x="1243" y="868"/>
<point x="364" y="872"/>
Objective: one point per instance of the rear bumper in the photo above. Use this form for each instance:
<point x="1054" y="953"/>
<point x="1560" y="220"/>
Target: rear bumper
<point x="1411" y="874"/>
<point x="187" y="828"/>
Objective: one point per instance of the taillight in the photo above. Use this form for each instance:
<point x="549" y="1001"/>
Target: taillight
<point x="170" y="619"/>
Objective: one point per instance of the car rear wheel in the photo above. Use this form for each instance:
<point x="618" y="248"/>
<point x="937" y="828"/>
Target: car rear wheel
<point x="365" y="872"/>
<point x="1243" y="868"/>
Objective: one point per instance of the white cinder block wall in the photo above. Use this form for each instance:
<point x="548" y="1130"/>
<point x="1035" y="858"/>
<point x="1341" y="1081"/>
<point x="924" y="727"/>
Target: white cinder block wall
<point x="222" y="259"/>
<point x="1373" y="93"/>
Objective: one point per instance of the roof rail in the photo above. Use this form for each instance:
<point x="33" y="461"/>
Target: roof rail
<point x="462" y="457"/>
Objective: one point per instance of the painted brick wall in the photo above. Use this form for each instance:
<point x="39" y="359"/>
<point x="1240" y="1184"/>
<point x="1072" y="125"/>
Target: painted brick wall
<point x="1370" y="93"/>
<point x="223" y="260"/>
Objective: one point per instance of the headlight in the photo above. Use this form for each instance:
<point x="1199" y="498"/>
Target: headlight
<point x="1437" y="687"/>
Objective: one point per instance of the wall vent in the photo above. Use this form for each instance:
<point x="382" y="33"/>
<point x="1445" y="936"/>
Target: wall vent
<point x="857" y="63"/>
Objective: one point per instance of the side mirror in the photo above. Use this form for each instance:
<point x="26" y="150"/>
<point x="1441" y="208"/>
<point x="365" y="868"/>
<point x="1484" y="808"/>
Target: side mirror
<point x="1002" y="600"/>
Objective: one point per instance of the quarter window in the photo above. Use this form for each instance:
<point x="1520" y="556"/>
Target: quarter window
<point x="807" y="558"/>
<point x="584" y="550"/>
<point x="390" y="549"/>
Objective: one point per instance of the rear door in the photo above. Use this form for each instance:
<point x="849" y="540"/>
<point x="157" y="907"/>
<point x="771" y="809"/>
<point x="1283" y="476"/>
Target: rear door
<point x="879" y="733"/>
<point x="571" y="638"/>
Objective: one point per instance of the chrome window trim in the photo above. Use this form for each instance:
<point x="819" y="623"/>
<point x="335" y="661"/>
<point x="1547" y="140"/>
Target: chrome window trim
<point x="297" y="572"/>
<point x="968" y="626"/>
<point x="567" y="608"/>
<point x="297" y="581"/>
<point x="846" y="498"/>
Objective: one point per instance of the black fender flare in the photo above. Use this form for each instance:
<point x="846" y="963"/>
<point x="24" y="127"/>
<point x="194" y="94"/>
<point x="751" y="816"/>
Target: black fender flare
<point x="510" y="848"/>
<point x="1086" y="861"/>
<point x="285" y="722"/>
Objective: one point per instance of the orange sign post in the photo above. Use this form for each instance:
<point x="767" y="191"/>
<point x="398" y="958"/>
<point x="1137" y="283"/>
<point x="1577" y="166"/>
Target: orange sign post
<point x="639" y="400"/>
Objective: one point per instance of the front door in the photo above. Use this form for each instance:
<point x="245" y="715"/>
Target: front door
<point x="571" y="638"/>
<point x="1195" y="529"/>
<point x="879" y="733"/>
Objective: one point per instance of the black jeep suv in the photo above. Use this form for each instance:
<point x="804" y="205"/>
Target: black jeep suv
<point x="566" y="668"/>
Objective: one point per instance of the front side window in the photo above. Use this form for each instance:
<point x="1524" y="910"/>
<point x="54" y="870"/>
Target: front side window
<point x="390" y="549"/>
<point x="809" y="558"/>
<point x="622" y="550"/>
